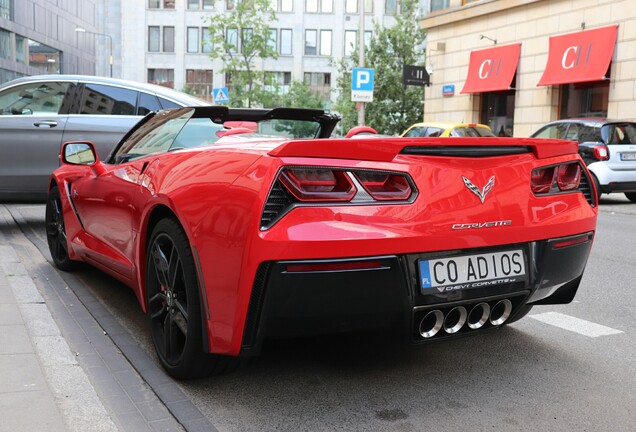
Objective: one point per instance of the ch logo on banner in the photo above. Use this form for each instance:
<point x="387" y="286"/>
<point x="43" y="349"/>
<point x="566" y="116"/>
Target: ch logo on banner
<point x="486" y="68"/>
<point x="572" y="56"/>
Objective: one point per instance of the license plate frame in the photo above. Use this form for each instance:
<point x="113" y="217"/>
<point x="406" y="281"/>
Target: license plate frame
<point x="467" y="271"/>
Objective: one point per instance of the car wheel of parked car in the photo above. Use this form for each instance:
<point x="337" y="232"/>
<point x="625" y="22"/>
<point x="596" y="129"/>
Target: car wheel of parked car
<point x="56" y="232"/>
<point x="523" y="311"/>
<point x="631" y="196"/>
<point x="173" y="306"/>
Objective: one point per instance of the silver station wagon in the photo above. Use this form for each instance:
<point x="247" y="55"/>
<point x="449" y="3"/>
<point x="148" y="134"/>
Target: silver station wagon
<point x="39" y="113"/>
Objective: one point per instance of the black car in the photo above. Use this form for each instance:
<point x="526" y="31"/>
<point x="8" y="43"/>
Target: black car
<point x="608" y="147"/>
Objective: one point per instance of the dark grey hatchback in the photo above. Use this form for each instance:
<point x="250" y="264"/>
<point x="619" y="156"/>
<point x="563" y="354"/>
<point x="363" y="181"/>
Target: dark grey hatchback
<point x="608" y="148"/>
<point x="39" y="113"/>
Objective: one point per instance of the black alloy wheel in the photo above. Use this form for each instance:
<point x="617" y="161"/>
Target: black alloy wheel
<point x="598" y="188"/>
<point x="172" y="301"/>
<point x="56" y="232"/>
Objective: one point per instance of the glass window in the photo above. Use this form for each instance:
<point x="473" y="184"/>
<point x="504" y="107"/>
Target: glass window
<point x="208" y="4"/>
<point x="285" y="42"/>
<point x="193" y="4"/>
<point x="154" y="37"/>
<point x="168" y="39"/>
<point x="272" y="39"/>
<point x="43" y="56"/>
<point x="196" y="133"/>
<point x="325" y="42"/>
<point x="107" y="100"/>
<point x="311" y="5"/>
<point x="193" y="39"/>
<point x="206" y="40"/>
<point x="367" y="38"/>
<point x="310" y="42"/>
<point x="439" y="5"/>
<point x="5" y="9"/>
<point x="286" y="5"/>
<point x="247" y="35"/>
<point x="351" y="41"/>
<point x="168" y="104"/>
<point x="147" y="103"/>
<point x="199" y="82"/>
<point x="5" y="45"/>
<point x="229" y="5"/>
<point x="20" y="49"/>
<point x="162" y="77"/>
<point x="154" y="137"/>
<point x="390" y="7"/>
<point x="553" y="131"/>
<point x="154" y="4"/>
<point x="326" y="6"/>
<point x="351" y="6"/>
<point x="415" y="132"/>
<point x="33" y="99"/>
<point x="168" y="4"/>
<point x="584" y="99"/>
<point x="231" y="37"/>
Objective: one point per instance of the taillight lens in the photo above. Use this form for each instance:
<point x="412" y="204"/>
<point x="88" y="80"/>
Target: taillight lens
<point x="318" y="184"/>
<point x="542" y="179"/>
<point x="565" y="177"/>
<point x="569" y="177"/>
<point x="385" y="186"/>
<point x="600" y="152"/>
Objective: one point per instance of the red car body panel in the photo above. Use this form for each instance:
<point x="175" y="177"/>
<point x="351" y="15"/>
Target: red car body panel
<point x="218" y="193"/>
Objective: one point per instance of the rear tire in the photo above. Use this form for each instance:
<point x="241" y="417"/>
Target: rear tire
<point x="56" y="231"/>
<point x="173" y="306"/>
<point x="631" y="196"/>
<point x="521" y="312"/>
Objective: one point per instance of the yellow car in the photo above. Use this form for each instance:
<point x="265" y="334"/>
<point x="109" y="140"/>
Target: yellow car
<point x="440" y="129"/>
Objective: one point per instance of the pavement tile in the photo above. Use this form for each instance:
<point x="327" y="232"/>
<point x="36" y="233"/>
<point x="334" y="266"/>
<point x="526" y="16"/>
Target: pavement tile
<point x="168" y="425"/>
<point x="18" y="413"/>
<point x="26" y="373"/>
<point x="14" y="339"/>
<point x="10" y="315"/>
<point x="185" y="411"/>
<point x="199" y="425"/>
<point x="170" y="393"/>
<point x="39" y="320"/>
<point x="140" y="393"/>
<point x="134" y="422"/>
<point x="153" y="410"/>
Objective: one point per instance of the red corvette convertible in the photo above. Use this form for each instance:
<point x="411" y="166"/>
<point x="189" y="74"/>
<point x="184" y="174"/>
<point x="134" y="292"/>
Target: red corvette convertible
<point x="237" y="226"/>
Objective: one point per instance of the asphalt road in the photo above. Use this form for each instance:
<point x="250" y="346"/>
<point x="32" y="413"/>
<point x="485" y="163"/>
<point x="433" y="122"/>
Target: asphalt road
<point x="534" y="375"/>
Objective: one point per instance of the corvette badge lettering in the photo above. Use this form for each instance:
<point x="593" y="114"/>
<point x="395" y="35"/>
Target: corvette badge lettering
<point x="464" y="226"/>
<point x="480" y="193"/>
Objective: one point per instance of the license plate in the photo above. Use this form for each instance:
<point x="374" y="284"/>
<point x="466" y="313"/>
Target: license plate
<point x="628" y="156"/>
<point x="471" y="271"/>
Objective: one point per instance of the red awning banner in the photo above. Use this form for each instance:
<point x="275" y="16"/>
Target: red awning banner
<point x="579" y="57"/>
<point x="492" y="69"/>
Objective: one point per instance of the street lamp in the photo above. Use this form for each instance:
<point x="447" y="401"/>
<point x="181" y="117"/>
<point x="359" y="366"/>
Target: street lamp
<point x="110" y="45"/>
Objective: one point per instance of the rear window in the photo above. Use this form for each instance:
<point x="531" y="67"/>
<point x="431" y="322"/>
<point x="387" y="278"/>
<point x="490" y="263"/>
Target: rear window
<point x="289" y="128"/>
<point x="472" y="131"/>
<point x="619" y="133"/>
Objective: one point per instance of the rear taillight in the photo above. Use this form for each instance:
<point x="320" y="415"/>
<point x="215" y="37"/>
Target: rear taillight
<point x="569" y="176"/>
<point x="558" y="178"/>
<point x="542" y="180"/>
<point x="600" y="152"/>
<point x="318" y="184"/>
<point x="385" y="186"/>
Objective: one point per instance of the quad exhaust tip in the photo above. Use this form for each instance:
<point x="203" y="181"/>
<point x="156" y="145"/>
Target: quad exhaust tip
<point x="454" y="320"/>
<point x="500" y="312"/>
<point x="431" y="324"/>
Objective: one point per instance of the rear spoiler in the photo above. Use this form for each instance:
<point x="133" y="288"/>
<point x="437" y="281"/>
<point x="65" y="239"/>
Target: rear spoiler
<point x="386" y="149"/>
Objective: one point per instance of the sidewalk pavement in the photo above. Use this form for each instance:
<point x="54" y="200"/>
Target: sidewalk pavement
<point x="42" y="386"/>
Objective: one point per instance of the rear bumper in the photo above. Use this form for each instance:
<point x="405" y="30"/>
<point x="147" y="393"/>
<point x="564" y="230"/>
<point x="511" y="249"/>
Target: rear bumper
<point x="300" y="298"/>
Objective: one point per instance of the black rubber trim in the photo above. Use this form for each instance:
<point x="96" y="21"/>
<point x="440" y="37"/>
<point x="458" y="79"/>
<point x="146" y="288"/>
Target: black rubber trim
<point x="255" y="307"/>
<point x="466" y="151"/>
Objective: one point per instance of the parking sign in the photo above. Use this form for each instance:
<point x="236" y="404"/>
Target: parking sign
<point x="362" y="85"/>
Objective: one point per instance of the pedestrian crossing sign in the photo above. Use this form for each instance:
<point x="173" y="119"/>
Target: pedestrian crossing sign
<point x="220" y="95"/>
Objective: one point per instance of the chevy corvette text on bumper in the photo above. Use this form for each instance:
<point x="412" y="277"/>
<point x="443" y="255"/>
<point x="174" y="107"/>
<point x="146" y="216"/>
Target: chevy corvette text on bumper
<point x="323" y="296"/>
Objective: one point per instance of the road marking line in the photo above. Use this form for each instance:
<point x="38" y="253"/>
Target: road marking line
<point x="577" y="325"/>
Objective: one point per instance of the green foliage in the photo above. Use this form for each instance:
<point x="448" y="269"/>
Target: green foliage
<point x="248" y="39"/>
<point x="395" y="106"/>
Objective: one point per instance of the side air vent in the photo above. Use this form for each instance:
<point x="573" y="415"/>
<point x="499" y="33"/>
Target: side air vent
<point x="466" y="151"/>
<point x="277" y="203"/>
<point x="586" y="189"/>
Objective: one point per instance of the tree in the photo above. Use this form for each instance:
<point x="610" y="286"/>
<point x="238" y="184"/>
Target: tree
<point x="395" y="106"/>
<point x="239" y="37"/>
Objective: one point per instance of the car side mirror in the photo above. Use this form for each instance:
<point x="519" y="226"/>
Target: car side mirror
<point x="79" y="153"/>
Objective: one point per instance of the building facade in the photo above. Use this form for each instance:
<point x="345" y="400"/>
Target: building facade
<point x="165" y="41"/>
<point x="38" y="36"/>
<point x="518" y="64"/>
